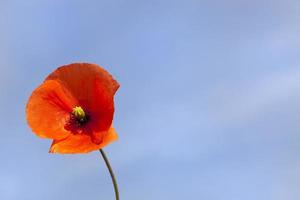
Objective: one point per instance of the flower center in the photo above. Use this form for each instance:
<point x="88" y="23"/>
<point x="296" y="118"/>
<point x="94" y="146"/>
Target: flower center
<point x="80" y="115"/>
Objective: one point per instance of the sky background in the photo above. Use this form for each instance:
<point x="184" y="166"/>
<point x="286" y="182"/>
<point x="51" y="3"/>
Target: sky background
<point x="208" y="106"/>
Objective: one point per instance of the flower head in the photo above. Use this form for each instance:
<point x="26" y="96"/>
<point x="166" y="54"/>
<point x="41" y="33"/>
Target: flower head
<point x="74" y="106"/>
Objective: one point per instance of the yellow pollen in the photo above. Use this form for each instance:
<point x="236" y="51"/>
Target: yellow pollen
<point x="79" y="113"/>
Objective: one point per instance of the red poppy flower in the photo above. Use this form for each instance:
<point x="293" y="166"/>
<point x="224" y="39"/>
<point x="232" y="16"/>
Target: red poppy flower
<point x="74" y="106"/>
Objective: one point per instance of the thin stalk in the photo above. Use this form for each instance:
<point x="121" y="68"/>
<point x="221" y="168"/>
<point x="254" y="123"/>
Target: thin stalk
<point x="111" y="174"/>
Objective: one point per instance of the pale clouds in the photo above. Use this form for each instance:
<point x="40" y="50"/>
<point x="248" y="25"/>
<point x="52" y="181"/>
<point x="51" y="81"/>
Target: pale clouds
<point x="245" y="101"/>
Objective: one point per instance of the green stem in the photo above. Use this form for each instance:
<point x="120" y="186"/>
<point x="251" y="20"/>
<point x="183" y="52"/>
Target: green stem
<point x="111" y="174"/>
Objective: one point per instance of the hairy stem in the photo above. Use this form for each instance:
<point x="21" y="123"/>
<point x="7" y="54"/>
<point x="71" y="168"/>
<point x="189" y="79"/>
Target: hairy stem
<point x="113" y="178"/>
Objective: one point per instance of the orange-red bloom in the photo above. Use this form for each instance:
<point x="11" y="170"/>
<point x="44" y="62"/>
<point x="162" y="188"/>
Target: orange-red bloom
<point x="74" y="106"/>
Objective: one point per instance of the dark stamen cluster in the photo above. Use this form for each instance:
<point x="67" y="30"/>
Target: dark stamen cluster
<point x="81" y="121"/>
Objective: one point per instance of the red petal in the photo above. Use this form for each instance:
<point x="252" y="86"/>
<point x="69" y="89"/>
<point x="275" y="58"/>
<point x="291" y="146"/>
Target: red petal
<point x="93" y="87"/>
<point x="81" y="143"/>
<point x="48" y="109"/>
<point x="80" y="79"/>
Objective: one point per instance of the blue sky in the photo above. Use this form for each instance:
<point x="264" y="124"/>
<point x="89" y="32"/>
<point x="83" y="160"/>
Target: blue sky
<point x="208" y="106"/>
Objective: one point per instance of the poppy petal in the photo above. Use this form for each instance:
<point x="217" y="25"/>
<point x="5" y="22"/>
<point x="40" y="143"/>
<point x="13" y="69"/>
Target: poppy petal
<point x="102" y="108"/>
<point x="48" y="109"/>
<point x="81" y="143"/>
<point x="80" y="78"/>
